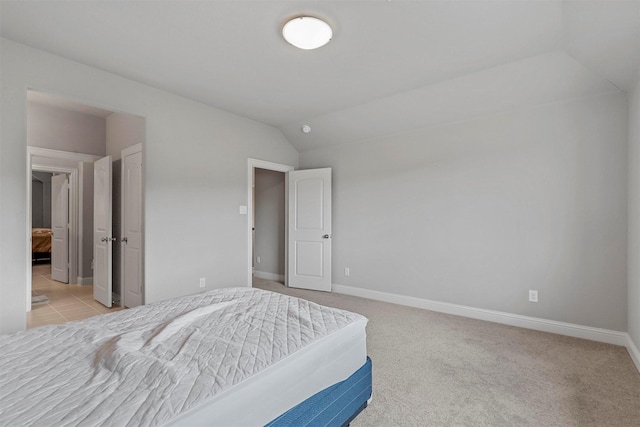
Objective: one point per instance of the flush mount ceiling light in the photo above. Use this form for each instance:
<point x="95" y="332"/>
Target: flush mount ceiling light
<point x="307" y="32"/>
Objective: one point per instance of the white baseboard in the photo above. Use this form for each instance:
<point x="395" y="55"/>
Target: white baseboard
<point x="544" y="325"/>
<point x="269" y="276"/>
<point x="633" y="351"/>
<point x="84" y="281"/>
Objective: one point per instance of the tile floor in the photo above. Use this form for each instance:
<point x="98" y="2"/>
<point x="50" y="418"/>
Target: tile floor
<point x="66" y="302"/>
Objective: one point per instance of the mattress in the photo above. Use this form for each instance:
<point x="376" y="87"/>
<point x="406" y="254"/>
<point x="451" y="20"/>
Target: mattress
<point x="285" y="384"/>
<point x="234" y="356"/>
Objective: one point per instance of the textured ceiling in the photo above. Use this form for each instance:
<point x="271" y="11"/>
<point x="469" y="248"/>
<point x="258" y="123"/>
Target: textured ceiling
<point x="392" y="66"/>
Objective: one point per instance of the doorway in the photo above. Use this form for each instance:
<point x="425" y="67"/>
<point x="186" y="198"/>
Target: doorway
<point x="307" y="225"/>
<point x="269" y="225"/>
<point x="267" y="268"/>
<point x="52" y="162"/>
<point x="67" y="137"/>
<point x="42" y="235"/>
<point x="41" y="217"/>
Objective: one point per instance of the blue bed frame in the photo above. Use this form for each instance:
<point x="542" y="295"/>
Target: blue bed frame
<point x="334" y="406"/>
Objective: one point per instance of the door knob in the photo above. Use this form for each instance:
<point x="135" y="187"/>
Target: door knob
<point x="108" y="239"/>
<point x="326" y="236"/>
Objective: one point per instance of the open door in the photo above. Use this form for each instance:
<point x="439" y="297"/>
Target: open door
<point x="102" y="231"/>
<point x="132" y="289"/>
<point x="309" y="229"/>
<point x="60" y="228"/>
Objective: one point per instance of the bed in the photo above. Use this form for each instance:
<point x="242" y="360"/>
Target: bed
<point x="40" y="244"/>
<point x="228" y="357"/>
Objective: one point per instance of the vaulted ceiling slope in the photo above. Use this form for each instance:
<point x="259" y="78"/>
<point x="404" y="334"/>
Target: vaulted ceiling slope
<point x="392" y="66"/>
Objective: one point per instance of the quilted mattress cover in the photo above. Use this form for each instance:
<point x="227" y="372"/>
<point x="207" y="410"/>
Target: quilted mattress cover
<point x="147" y="365"/>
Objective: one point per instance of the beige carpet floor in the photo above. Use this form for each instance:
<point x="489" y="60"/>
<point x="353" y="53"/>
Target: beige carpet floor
<point x="434" y="369"/>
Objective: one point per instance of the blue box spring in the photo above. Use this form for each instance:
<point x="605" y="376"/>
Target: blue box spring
<point x="334" y="406"/>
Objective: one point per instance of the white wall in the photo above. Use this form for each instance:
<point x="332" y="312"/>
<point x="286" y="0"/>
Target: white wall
<point x="269" y="222"/>
<point x="195" y="178"/>
<point x="634" y="215"/>
<point x="123" y="130"/>
<point x="41" y="200"/>
<point x="59" y="129"/>
<point x="37" y="204"/>
<point x="478" y="213"/>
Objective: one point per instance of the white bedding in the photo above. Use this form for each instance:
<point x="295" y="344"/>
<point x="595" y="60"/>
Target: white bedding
<point x="147" y="365"/>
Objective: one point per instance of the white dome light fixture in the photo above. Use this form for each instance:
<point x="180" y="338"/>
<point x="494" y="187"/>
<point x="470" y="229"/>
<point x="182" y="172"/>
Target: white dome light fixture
<point x="307" y="32"/>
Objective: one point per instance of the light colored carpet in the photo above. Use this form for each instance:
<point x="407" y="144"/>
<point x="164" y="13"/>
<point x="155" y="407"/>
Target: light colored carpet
<point x="441" y="370"/>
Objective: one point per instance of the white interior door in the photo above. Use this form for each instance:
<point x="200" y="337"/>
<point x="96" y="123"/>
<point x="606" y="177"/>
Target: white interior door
<point x="60" y="228"/>
<point x="309" y="229"/>
<point x="102" y="231"/>
<point x="132" y="282"/>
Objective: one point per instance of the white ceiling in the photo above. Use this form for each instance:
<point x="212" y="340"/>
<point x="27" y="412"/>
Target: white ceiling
<point x="392" y="66"/>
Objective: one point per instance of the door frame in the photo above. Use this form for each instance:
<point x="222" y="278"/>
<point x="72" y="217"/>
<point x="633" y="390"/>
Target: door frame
<point x="48" y="160"/>
<point x="252" y="164"/>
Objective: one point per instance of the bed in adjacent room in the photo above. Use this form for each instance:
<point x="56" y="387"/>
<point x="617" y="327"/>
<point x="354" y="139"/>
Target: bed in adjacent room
<point x="40" y="244"/>
<point x="229" y="357"/>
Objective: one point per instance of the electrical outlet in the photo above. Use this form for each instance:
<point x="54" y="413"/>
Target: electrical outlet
<point x="533" y="295"/>
<point x="203" y="282"/>
<point x="347" y="271"/>
<point x="258" y="260"/>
